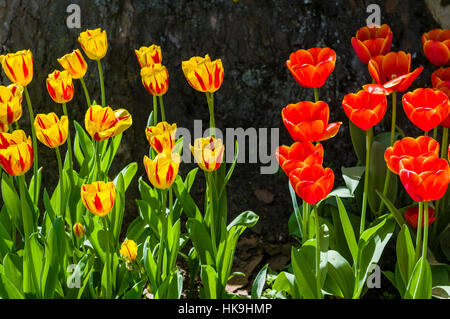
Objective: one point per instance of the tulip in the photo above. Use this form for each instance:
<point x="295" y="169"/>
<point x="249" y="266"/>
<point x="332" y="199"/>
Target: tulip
<point x="421" y="147"/>
<point x="74" y="63"/>
<point x="441" y="81"/>
<point x="364" y="109"/>
<point x="128" y="250"/>
<point x="426" y="108"/>
<point x="391" y="72"/>
<point x="162" y="136"/>
<point x="312" y="67"/>
<point x="371" y="41"/>
<point x="10" y="104"/>
<point x="308" y="121"/>
<point x="299" y="155"/>
<point x="51" y="131"/>
<point x="312" y="183"/>
<point x="147" y="56"/>
<point x="203" y="74"/>
<point x="155" y="79"/>
<point x="4" y="127"/>
<point x="98" y="197"/>
<point x="425" y="178"/>
<point x="103" y="123"/>
<point x="16" y="152"/>
<point x="412" y="217"/>
<point x="163" y="169"/>
<point x="78" y="230"/>
<point x="60" y="86"/>
<point x="436" y="45"/>
<point x="208" y="153"/>
<point x="18" y="66"/>
<point x="94" y="43"/>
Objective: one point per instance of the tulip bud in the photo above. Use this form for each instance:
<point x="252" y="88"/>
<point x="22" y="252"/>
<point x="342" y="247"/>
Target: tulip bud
<point x="74" y="63"/>
<point x="155" y="79"/>
<point x="60" y="86"/>
<point x="162" y="136"/>
<point x="98" y="197"/>
<point x="94" y="43"/>
<point x="16" y="152"/>
<point x="412" y="217"/>
<point x="162" y="170"/>
<point x="78" y="230"/>
<point x="128" y="250"/>
<point x="51" y="131"/>
<point x="18" y="66"/>
<point x="208" y="153"/>
<point x="102" y="122"/>
<point x="147" y="56"/>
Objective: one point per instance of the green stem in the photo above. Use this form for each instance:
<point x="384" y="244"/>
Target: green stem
<point x="108" y="253"/>
<point x="155" y="110"/>
<point x="419" y="232"/>
<point x="425" y="133"/>
<point x="17" y="125"/>
<point x="86" y="92"/>
<point x="97" y="159"/>
<point x="69" y="143"/>
<point x="35" y="149"/>
<point x="170" y="205"/>
<point x="102" y="84"/>
<point x="162" y="234"/>
<point x="211" y="211"/>
<point x="444" y="146"/>
<point x="425" y="233"/>
<point x="316" y="94"/>
<point x="435" y="131"/>
<point x="305" y="212"/>
<point x="318" y="280"/>
<point x="444" y="150"/>
<point x="161" y="105"/>
<point x="366" y="180"/>
<point x="62" y="207"/>
<point x="212" y="121"/>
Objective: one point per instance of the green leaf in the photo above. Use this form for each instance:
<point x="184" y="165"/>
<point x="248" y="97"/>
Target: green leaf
<point x="247" y="219"/>
<point x="209" y="280"/>
<point x="108" y="156"/>
<point x="348" y="230"/>
<point x="358" y="138"/>
<point x="395" y="212"/>
<point x="286" y="282"/>
<point x="201" y="241"/>
<point x="352" y="177"/>
<point x="340" y="279"/>
<point x="85" y="143"/>
<point x="12" y="269"/>
<point x="405" y="254"/>
<point x="128" y="173"/>
<point x="12" y="201"/>
<point x="258" y="284"/>
<point x="136" y="291"/>
<point x="185" y="199"/>
<point x="420" y="284"/>
<point x="303" y="264"/>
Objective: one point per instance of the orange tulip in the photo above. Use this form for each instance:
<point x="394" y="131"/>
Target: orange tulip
<point x="299" y="155"/>
<point x="426" y="108"/>
<point x="436" y="45"/>
<point x="371" y="41"/>
<point x="102" y="122"/>
<point x="16" y="152"/>
<point x="425" y="178"/>
<point x="98" y="197"/>
<point x="391" y="72"/>
<point x="441" y="81"/>
<point x="312" y="67"/>
<point x="312" y="183"/>
<point x="60" y="86"/>
<point x="308" y="121"/>
<point x="10" y="103"/>
<point x="412" y="217"/>
<point x="365" y="109"/>
<point x="423" y="146"/>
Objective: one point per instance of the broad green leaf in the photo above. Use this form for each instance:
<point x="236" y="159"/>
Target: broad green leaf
<point x="128" y="173"/>
<point x="395" y="212"/>
<point x="340" y="279"/>
<point x="247" y="219"/>
<point x="209" y="280"/>
<point x="352" y="176"/>
<point x="303" y="264"/>
<point x="405" y="253"/>
<point x="201" y="241"/>
<point x="420" y="285"/>
<point x="258" y="284"/>
<point x="348" y="230"/>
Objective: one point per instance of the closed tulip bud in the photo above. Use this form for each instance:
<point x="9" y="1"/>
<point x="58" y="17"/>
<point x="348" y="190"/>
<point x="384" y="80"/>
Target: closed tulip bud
<point x="147" y="56"/>
<point x="74" y="63"/>
<point x="412" y="217"/>
<point x="128" y="250"/>
<point x="103" y="123"/>
<point x="60" y="86"/>
<point x="50" y="130"/>
<point x="162" y="136"/>
<point x="98" y="197"/>
<point x="155" y="79"/>
<point x="203" y="74"/>
<point x="18" y="66"/>
<point x="163" y="169"/>
<point x="10" y="103"/>
<point x="94" y="43"/>
<point x="16" y="152"/>
<point x="208" y="153"/>
<point x="78" y="230"/>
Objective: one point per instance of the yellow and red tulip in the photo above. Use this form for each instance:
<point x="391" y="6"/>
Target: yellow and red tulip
<point x="98" y="197"/>
<point x="128" y="250"/>
<point x="147" y="56"/>
<point x="162" y="136"/>
<point x="203" y="74"/>
<point x="16" y="152"/>
<point x="10" y="103"/>
<point x="94" y="43"/>
<point x="60" y="86"/>
<point x="163" y="169"/>
<point x="102" y="122"/>
<point x="78" y="230"/>
<point x="208" y="153"/>
<point x="155" y="79"/>
<point x="50" y="130"/>
<point x="74" y="63"/>
<point x="18" y="66"/>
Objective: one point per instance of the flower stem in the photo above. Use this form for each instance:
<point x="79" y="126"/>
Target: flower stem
<point x="86" y="92"/>
<point x="35" y="150"/>
<point x="419" y="232"/>
<point x="318" y="280"/>
<point x="102" y="84"/>
<point x="107" y="266"/>
<point x="69" y="144"/>
<point x="155" y="110"/>
<point x="162" y="234"/>
<point x="316" y="94"/>
<point x="97" y="159"/>
<point x="161" y="105"/>
<point x="425" y="232"/>
<point x="212" y="121"/>
<point x="62" y="207"/>
<point x="366" y="180"/>
<point x="211" y="210"/>
<point x="444" y="149"/>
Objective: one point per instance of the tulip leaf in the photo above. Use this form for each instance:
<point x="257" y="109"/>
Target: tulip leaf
<point x="209" y="279"/>
<point x="85" y="143"/>
<point x="303" y="264"/>
<point x="201" y="240"/>
<point x="178" y="148"/>
<point x="340" y="279"/>
<point x="8" y="290"/>
<point x="395" y="212"/>
<point x="247" y="219"/>
<point x="358" y="137"/>
<point x="12" y="201"/>
<point x="135" y="292"/>
<point x="348" y="229"/>
<point x="259" y="282"/>
<point x="13" y="269"/>
<point x="405" y="253"/>
<point x="286" y="282"/>
<point x="187" y="202"/>
<point x="108" y="156"/>
<point x="352" y="176"/>
<point x="39" y="180"/>
<point x="128" y="173"/>
<point x="150" y="265"/>
<point x="420" y="283"/>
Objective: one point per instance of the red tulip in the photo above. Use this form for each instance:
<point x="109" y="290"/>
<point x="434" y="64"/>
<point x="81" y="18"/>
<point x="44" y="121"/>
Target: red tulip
<point x="423" y="146"/>
<point x="308" y="121"/>
<point x="426" y="108"/>
<point x="371" y="41"/>
<point x="391" y="72"/>
<point x="365" y="109"/>
<point x="412" y="217"/>
<point x="436" y="46"/>
<point x="299" y="155"/>
<point x="312" y="67"/>
<point x="312" y="183"/>
<point x="425" y="178"/>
